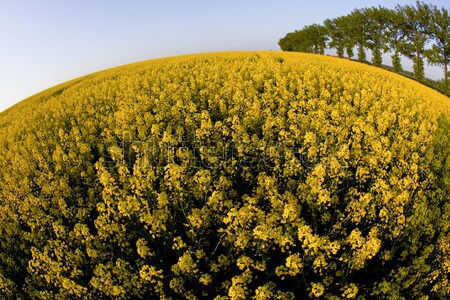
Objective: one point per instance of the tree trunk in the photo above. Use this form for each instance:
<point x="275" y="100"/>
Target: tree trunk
<point x="361" y="53"/>
<point x="396" y="62"/>
<point x="419" y="72"/>
<point x="446" y="83"/>
<point x="377" y="59"/>
<point x="340" y="51"/>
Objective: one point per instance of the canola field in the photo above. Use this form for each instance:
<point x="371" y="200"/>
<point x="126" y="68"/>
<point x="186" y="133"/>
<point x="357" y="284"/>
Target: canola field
<point x="235" y="175"/>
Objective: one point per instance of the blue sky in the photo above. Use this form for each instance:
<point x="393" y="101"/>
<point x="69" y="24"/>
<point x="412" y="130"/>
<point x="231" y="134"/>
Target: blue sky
<point x="46" y="42"/>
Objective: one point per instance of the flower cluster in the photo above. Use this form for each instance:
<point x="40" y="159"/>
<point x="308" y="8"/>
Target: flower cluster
<point x="234" y="175"/>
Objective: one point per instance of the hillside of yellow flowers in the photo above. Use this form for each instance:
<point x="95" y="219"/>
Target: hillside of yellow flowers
<point x="235" y="175"/>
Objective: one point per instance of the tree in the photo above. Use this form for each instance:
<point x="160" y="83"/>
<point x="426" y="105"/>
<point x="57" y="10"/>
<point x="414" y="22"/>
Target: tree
<point x="311" y="38"/>
<point x="395" y="37"/>
<point x="377" y="19"/>
<point x="290" y="42"/>
<point x="415" y="23"/>
<point x="356" y="31"/>
<point x="352" y="28"/>
<point x="439" y="30"/>
<point x="316" y="34"/>
<point x="347" y="26"/>
<point x="335" y="35"/>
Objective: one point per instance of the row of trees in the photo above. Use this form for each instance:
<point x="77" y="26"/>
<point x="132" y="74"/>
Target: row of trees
<point x="420" y="32"/>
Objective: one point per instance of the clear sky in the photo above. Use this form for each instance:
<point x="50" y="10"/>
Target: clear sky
<point x="46" y="42"/>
